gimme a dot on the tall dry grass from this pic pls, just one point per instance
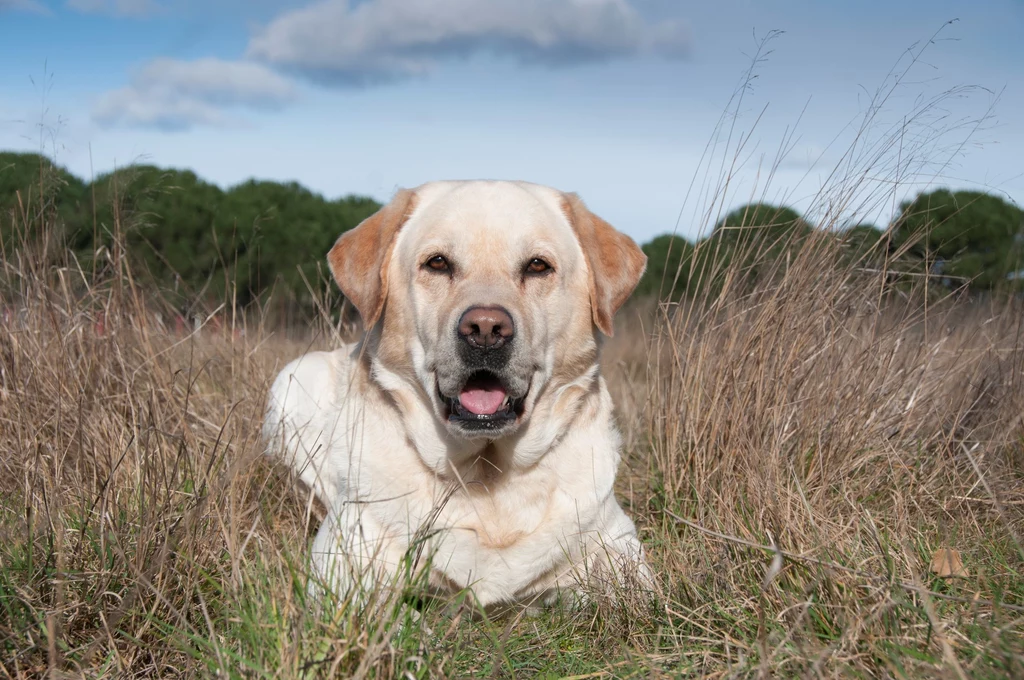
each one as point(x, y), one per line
point(809, 446)
point(801, 438)
point(815, 423)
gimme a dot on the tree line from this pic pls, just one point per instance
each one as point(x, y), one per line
point(966, 240)
point(197, 242)
point(200, 243)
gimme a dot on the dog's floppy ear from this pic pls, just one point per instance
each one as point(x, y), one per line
point(615, 261)
point(359, 258)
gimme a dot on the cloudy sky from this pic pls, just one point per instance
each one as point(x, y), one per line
point(619, 100)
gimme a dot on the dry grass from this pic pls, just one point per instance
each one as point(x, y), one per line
point(809, 447)
point(796, 454)
point(798, 446)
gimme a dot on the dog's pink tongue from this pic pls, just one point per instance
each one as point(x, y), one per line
point(482, 401)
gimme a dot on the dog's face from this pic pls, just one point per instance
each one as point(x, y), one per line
point(485, 295)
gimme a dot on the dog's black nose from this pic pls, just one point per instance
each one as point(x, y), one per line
point(486, 327)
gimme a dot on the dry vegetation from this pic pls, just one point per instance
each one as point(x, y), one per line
point(799, 447)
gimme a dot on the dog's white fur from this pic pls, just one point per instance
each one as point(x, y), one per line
point(514, 516)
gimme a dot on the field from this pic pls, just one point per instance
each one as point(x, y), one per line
point(801, 444)
point(795, 456)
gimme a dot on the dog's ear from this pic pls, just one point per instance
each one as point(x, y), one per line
point(359, 258)
point(615, 261)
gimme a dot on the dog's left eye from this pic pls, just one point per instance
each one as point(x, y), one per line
point(438, 263)
point(537, 266)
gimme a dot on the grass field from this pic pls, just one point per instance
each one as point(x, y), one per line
point(796, 453)
point(798, 448)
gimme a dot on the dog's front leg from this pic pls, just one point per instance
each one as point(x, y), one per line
point(352, 559)
point(616, 564)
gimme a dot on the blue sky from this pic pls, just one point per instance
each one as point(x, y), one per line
point(614, 99)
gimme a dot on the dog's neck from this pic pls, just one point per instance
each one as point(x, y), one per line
point(482, 471)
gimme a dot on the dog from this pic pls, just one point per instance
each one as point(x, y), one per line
point(469, 434)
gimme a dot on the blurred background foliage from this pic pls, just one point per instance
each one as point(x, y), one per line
point(201, 244)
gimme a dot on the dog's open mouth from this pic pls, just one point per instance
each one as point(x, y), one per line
point(483, 402)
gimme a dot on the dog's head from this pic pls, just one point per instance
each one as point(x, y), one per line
point(485, 295)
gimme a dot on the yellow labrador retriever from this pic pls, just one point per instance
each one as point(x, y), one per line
point(469, 432)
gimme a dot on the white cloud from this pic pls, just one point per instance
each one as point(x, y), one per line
point(120, 8)
point(175, 95)
point(23, 5)
point(380, 40)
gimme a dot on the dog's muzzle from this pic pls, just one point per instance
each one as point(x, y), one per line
point(486, 400)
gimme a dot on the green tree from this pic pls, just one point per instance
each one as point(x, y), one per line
point(970, 235)
point(749, 241)
point(279, 234)
point(861, 241)
point(202, 242)
point(187, 237)
point(34, 191)
point(668, 267)
point(761, 226)
point(165, 218)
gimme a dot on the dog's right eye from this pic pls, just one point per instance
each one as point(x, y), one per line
point(437, 263)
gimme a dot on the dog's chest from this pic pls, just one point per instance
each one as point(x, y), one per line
point(506, 541)
point(497, 520)
point(507, 538)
